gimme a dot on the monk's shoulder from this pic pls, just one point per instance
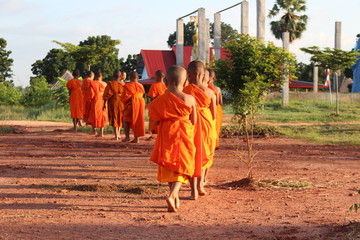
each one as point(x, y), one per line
point(188, 99)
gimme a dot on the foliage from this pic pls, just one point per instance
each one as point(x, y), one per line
point(290, 21)
point(38, 93)
point(96, 53)
point(304, 72)
point(251, 70)
point(9, 94)
point(55, 63)
point(227, 33)
point(60, 93)
point(356, 206)
point(130, 64)
point(5, 62)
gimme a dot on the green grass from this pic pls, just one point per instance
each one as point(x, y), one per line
point(44, 113)
point(308, 112)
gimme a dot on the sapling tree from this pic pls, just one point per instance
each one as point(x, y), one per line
point(250, 71)
point(335, 59)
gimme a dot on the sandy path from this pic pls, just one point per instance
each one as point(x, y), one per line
point(37, 169)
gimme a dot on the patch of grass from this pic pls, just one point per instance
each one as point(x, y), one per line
point(238, 130)
point(143, 189)
point(329, 134)
point(309, 111)
point(6, 129)
point(252, 184)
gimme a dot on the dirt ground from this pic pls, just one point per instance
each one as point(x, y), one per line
point(47, 172)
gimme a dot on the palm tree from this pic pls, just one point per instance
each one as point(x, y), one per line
point(291, 21)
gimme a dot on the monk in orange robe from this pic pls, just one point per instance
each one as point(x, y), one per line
point(174, 149)
point(112, 96)
point(205, 138)
point(76, 99)
point(134, 108)
point(98, 115)
point(156, 90)
point(219, 103)
point(87, 93)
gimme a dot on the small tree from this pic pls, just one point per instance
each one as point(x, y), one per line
point(60, 93)
point(5, 62)
point(9, 94)
point(335, 59)
point(249, 73)
point(38, 93)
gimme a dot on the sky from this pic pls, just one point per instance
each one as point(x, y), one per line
point(30, 26)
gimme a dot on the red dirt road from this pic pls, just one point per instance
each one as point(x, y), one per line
point(39, 165)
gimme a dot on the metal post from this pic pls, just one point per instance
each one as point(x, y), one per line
point(180, 42)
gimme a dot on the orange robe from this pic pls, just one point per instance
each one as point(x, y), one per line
point(87, 97)
point(76, 98)
point(155, 90)
point(205, 132)
point(97, 117)
point(113, 92)
point(174, 149)
point(219, 115)
point(134, 108)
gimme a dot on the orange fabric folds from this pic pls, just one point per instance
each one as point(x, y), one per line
point(98, 115)
point(174, 149)
point(219, 115)
point(205, 136)
point(76, 98)
point(134, 108)
point(155, 90)
point(113, 92)
point(87, 97)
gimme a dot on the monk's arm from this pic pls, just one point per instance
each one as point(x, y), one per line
point(220, 96)
point(193, 115)
point(213, 106)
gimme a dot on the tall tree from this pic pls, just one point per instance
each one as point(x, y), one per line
point(5, 62)
point(96, 53)
point(55, 63)
point(227, 33)
point(290, 20)
point(130, 64)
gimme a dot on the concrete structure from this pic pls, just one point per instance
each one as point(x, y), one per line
point(207, 41)
point(321, 96)
point(315, 78)
point(244, 17)
point(261, 16)
point(285, 85)
point(180, 42)
point(202, 35)
point(217, 35)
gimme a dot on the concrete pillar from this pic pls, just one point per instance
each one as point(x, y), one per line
point(180, 42)
point(207, 41)
point(338, 35)
point(285, 85)
point(217, 35)
point(337, 75)
point(261, 16)
point(315, 78)
point(244, 17)
point(202, 35)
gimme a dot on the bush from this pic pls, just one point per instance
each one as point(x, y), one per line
point(9, 94)
point(38, 94)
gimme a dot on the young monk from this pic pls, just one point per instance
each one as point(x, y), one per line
point(219, 103)
point(204, 128)
point(76, 99)
point(134, 108)
point(156, 90)
point(174, 148)
point(98, 114)
point(87, 93)
point(112, 96)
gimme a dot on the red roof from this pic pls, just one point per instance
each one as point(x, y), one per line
point(157, 60)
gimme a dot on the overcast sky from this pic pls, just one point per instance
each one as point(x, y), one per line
point(29, 26)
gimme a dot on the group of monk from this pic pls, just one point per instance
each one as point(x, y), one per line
point(185, 114)
point(188, 115)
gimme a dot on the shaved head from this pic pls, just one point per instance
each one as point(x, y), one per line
point(175, 75)
point(196, 67)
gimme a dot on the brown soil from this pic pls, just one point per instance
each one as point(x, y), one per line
point(56, 184)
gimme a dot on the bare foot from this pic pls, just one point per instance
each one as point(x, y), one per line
point(194, 196)
point(100, 135)
point(135, 141)
point(126, 140)
point(177, 202)
point(171, 205)
point(150, 138)
point(115, 138)
point(202, 192)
